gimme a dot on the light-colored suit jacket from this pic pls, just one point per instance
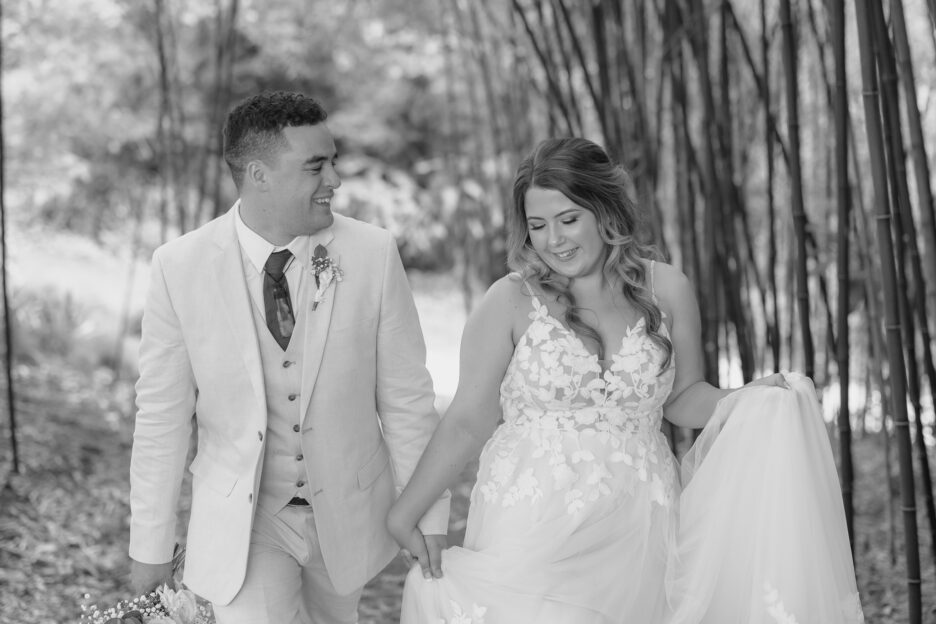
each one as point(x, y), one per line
point(365, 392)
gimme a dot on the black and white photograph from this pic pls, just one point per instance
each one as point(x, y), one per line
point(467, 311)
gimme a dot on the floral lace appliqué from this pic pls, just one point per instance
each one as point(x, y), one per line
point(557, 399)
point(460, 616)
point(775, 607)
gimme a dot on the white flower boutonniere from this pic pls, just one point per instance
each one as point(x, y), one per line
point(325, 270)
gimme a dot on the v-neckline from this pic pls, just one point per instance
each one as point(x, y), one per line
point(543, 310)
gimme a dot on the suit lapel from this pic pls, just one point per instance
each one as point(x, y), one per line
point(232, 291)
point(316, 322)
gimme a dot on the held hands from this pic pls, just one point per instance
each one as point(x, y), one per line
point(426, 550)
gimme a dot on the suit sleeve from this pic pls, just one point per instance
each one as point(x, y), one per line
point(165, 397)
point(404, 388)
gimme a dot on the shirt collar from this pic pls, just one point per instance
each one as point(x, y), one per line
point(258, 249)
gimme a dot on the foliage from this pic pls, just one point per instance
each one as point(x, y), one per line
point(98, 140)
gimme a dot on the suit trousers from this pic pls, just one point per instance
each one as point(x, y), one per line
point(286, 580)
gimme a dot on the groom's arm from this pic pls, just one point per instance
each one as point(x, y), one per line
point(165, 397)
point(404, 388)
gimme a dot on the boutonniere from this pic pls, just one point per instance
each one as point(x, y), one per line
point(325, 270)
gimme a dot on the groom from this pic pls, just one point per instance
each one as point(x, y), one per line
point(288, 336)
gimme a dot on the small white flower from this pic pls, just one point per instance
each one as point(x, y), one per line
point(180, 604)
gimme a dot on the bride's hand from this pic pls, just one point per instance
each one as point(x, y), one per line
point(776, 379)
point(412, 543)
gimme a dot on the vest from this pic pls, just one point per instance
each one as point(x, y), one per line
point(284, 473)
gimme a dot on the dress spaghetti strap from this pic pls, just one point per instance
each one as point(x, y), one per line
point(529, 290)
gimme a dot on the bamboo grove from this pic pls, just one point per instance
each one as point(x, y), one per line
point(800, 205)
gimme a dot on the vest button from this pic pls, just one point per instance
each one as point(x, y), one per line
point(292, 397)
point(296, 428)
point(287, 364)
point(260, 435)
point(250, 498)
point(299, 457)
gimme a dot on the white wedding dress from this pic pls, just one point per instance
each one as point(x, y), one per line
point(575, 517)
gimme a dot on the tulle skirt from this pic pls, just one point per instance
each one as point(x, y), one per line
point(761, 538)
point(583, 542)
point(762, 534)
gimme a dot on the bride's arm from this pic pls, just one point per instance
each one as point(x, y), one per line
point(692, 400)
point(486, 348)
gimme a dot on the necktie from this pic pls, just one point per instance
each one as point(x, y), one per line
point(279, 313)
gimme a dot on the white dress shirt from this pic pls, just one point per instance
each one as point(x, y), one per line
point(254, 253)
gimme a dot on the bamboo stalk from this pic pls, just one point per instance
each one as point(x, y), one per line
point(877, 354)
point(611, 121)
point(682, 143)
point(735, 206)
point(227, 78)
point(710, 288)
point(556, 48)
point(578, 49)
point(773, 333)
point(844, 219)
point(762, 82)
point(552, 86)
point(931, 5)
point(4, 269)
point(498, 135)
point(799, 212)
point(894, 348)
point(907, 251)
point(917, 149)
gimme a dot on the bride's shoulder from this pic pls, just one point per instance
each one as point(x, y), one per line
point(509, 292)
point(506, 304)
point(666, 274)
point(669, 284)
point(500, 311)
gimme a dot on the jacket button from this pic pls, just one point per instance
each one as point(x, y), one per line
point(292, 397)
point(300, 483)
point(296, 428)
point(299, 457)
point(287, 364)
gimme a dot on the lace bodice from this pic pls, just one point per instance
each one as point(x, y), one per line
point(553, 379)
point(570, 426)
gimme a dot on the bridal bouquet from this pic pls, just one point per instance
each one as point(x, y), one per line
point(161, 606)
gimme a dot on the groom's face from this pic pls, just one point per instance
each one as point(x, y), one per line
point(302, 181)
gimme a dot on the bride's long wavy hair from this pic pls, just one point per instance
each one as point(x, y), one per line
point(583, 172)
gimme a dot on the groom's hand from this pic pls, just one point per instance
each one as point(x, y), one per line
point(145, 577)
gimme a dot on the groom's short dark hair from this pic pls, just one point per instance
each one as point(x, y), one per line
point(253, 129)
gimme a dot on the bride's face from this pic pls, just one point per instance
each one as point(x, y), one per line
point(563, 234)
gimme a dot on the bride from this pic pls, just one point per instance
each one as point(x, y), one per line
point(578, 516)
